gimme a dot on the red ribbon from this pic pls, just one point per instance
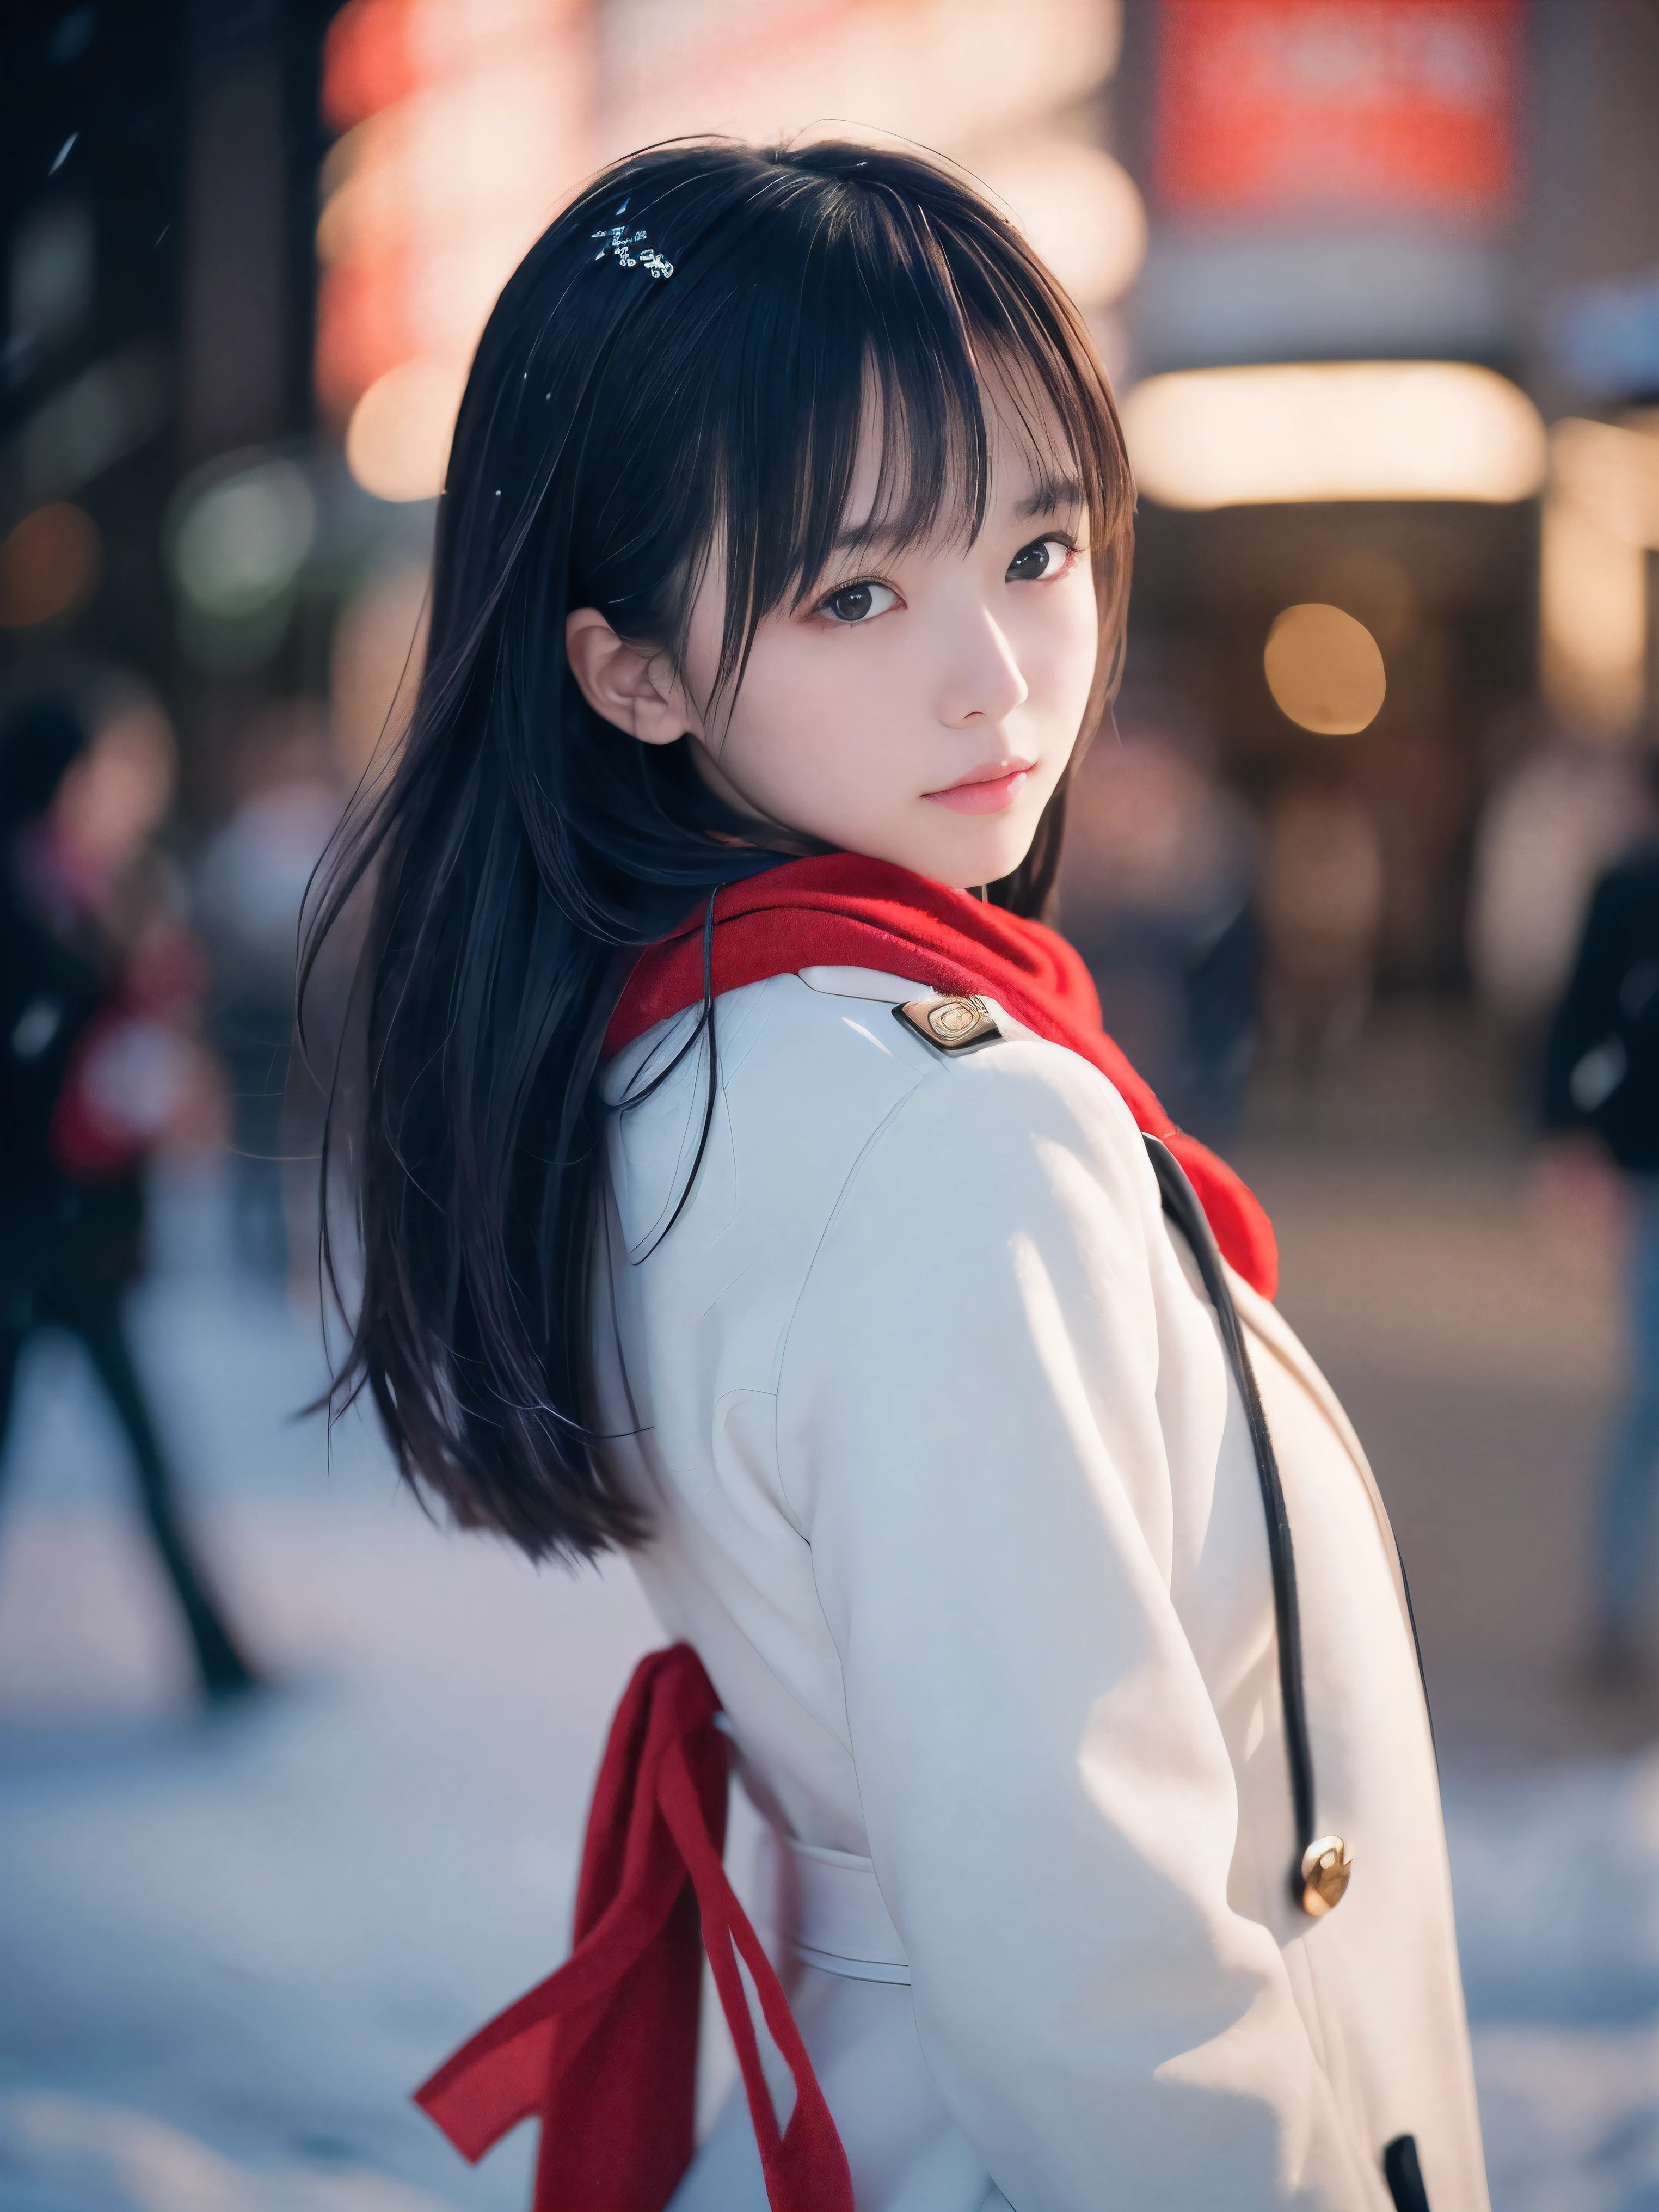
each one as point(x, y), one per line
point(842, 910)
point(604, 2052)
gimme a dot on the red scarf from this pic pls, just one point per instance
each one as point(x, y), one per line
point(604, 2051)
point(842, 911)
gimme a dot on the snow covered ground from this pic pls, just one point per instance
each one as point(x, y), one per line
point(230, 1946)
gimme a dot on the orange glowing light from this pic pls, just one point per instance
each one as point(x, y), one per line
point(362, 330)
point(467, 124)
point(368, 60)
point(1324, 670)
point(1325, 430)
point(397, 441)
point(49, 566)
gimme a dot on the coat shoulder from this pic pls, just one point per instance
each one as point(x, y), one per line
point(960, 1064)
point(814, 1069)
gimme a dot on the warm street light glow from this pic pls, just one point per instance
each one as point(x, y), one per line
point(1422, 429)
point(1600, 524)
point(397, 441)
point(1324, 670)
point(1612, 475)
point(466, 124)
point(1081, 211)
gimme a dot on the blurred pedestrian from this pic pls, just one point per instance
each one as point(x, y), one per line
point(1155, 894)
point(99, 986)
point(1601, 1102)
point(1322, 899)
point(249, 890)
point(1551, 824)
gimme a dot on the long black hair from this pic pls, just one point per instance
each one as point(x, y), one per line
point(622, 426)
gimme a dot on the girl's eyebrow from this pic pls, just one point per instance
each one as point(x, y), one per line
point(1051, 496)
point(870, 536)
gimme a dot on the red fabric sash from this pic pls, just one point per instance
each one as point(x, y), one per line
point(842, 911)
point(604, 2052)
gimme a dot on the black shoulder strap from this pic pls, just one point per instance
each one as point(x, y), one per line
point(1400, 2161)
point(1180, 1204)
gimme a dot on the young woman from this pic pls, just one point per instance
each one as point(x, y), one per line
point(744, 1180)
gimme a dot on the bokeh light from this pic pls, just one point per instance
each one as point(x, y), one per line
point(379, 644)
point(1600, 527)
point(239, 540)
point(1305, 109)
point(1325, 670)
point(397, 441)
point(464, 128)
point(49, 566)
point(96, 420)
point(1408, 429)
point(1081, 211)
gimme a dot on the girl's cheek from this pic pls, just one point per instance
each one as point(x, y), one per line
point(1059, 649)
point(1080, 641)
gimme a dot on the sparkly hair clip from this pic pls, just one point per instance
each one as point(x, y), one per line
point(629, 248)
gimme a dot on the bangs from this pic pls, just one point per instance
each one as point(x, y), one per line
point(901, 325)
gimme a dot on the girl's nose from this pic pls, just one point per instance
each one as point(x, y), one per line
point(982, 680)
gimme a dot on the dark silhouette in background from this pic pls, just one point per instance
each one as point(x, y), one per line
point(1156, 895)
point(96, 1067)
point(1601, 1081)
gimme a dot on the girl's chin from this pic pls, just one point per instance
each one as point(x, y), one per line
point(959, 851)
point(960, 872)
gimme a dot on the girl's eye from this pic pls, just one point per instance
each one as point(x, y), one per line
point(859, 603)
point(1047, 558)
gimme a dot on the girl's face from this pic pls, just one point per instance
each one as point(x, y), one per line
point(919, 708)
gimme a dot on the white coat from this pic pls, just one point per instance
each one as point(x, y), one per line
point(953, 1492)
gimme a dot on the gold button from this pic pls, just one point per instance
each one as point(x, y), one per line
point(1327, 1870)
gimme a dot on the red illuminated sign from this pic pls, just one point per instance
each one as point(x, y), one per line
point(1347, 109)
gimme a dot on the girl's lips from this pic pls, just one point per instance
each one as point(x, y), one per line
point(987, 794)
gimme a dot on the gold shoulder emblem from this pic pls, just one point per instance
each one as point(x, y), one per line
point(950, 1024)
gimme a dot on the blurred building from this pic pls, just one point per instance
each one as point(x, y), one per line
point(464, 124)
point(1391, 354)
point(159, 168)
point(1378, 279)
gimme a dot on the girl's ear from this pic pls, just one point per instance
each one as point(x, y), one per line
point(633, 686)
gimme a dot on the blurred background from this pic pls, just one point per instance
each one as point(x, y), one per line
point(292, 1781)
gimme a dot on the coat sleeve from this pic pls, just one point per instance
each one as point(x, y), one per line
point(970, 1432)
